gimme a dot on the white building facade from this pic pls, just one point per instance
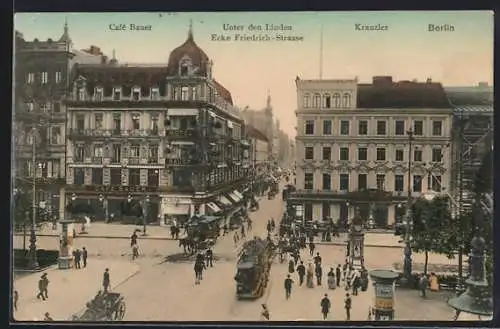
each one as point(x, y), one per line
point(352, 147)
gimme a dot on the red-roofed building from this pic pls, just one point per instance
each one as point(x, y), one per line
point(352, 147)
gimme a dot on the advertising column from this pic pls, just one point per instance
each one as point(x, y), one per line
point(383, 280)
point(65, 244)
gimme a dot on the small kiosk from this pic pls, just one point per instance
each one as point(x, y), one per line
point(384, 284)
point(65, 260)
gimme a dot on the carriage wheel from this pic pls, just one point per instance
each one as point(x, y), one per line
point(120, 311)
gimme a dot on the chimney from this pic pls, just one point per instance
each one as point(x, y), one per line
point(382, 80)
point(482, 84)
point(104, 59)
point(429, 80)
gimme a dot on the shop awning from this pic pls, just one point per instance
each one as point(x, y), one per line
point(234, 197)
point(213, 207)
point(237, 193)
point(225, 201)
point(179, 209)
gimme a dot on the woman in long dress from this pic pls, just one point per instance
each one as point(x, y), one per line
point(310, 276)
point(331, 279)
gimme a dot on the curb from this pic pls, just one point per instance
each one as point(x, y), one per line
point(168, 238)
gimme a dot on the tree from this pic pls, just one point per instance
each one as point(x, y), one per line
point(431, 223)
point(22, 204)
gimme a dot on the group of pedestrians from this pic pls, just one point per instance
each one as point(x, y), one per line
point(79, 257)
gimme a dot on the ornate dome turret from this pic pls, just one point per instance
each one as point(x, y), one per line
point(188, 58)
point(65, 37)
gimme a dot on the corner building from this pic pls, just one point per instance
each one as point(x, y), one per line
point(166, 135)
point(352, 147)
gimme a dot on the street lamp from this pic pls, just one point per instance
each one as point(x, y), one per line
point(145, 214)
point(33, 260)
point(407, 277)
point(104, 202)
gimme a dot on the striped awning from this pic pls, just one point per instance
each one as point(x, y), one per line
point(225, 201)
point(237, 193)
point(234, 197)
point(213, 207)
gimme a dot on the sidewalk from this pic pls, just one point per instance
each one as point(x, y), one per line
point(122, 231)
point(69, 290)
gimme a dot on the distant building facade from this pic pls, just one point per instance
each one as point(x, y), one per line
point(259, 150)
point(352, 146)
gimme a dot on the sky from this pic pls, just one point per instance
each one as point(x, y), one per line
point(406, 49)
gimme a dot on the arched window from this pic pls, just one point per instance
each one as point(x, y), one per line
point(327, 101)
point(336, 100)
point(317, 101)
point(346, 100)
point(307, 100)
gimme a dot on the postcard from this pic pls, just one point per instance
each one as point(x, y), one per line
point(252, 166)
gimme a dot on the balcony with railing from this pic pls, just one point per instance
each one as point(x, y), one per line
point(181, 133)
point(181, 162)
point(75, 133)
point(359, 195)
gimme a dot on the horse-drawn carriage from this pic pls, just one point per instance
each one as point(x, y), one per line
point(201, 233)
point(106, 306)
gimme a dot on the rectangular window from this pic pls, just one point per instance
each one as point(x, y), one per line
point(400, 127)
point(344, 154)
point(153, 177)
point(98, 120)
point(44, 77)
point(327, 182)
point(436, 183)
point(117, 123)
point(134, 177)
point(309, 153)
point(363, 128)
point(57, 107)
point(381, 182)
point(115, 176)
point(309, 129)
point(362, 181)
point(327, 153)
point(399, 155)
point(81, 94)
point(136, 122)
point(58, 77)
point(328, 102)
point(79, 153)
point(417, 183)
point(79, 176)
point(194, 93)
point(380, 154)
point(97, 176)
point(135, 150)
point(117, 153)
point(98, 151)
point(437, 128)
point(418, 127)
point(55, 136)
point(117, 94)
point(327, 127)
point(344, 127)
point(184, 93)
point(30, 106)
point(417, 155)
point(306, 101)
point(98, 94)
point(398, 183)
point(344, 182)
point(154, 124)
point(136, 94)
point(155, 94)
point(362, 154)
point(326, 210)
point(308, 181)
point(381, 128)
point(153, 153)
point(437, 155)
point(30, 78)
point(43, 107)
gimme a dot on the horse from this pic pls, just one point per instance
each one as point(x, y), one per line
point(187, 244)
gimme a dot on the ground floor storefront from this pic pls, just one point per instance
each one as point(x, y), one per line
point(384, 210)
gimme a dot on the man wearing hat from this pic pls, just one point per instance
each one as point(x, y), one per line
point(42, 287)
point(47, 317)
point(106, 280)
